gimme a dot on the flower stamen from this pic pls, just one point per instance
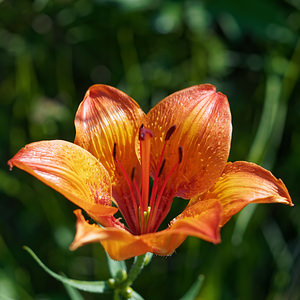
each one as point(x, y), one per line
point(148, 213)
point(170, 132)
point(127, 215)
point(180, 154)
point(132, 174)
point(156, 220)
point(160, 166)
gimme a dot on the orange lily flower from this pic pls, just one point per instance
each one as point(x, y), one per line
point(182, 144)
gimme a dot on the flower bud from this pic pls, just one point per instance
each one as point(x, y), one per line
point(121, 276)
point(111, 283)
point(127, 292)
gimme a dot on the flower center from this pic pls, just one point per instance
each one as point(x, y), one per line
point(149, 212)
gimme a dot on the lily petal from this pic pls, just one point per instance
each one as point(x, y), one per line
point(118, 243)
point(201, 220)
point(70, 170)
point(203, 131)
point(242, 183)
point(107, 116)
point(107, 122)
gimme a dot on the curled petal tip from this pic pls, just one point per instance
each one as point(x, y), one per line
point(217, 239)
point(85, 232)
point(243, 183)
point(10, 164)
point(286, 197)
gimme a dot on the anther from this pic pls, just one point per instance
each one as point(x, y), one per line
point(115, 151)
point(132, 173)
point(162, 167)
point(147, 214)
point(180, 154)
point(170, 132)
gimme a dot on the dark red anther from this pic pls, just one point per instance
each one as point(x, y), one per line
point(132, 173)
point(180, 154)
point(162, 167)
point(170, 132)
point(115, 151)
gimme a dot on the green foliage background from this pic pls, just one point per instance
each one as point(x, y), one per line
point(52, 51)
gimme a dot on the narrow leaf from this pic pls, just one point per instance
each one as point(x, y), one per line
point(148, 258)
point(72, 292)
point(194, 290)
point(115, 266)
point(88, 286)
point(136, 296)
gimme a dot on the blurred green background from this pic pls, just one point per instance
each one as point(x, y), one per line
point(52, 51)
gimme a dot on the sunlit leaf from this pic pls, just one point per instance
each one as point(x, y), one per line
point(148, 258)
point(136, 296)
point(72, 292)
point(194, 289)
point(88, 286)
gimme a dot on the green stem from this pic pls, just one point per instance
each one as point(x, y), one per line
point(135, 270)
point(116, 295)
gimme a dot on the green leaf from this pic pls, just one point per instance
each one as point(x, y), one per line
point(136, 296)
point(194, 290)
point(72, 292)
point(148, 258)
point(88, 286)
point(115, 266)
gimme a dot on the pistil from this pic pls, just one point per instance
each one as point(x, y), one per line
point(145, 136)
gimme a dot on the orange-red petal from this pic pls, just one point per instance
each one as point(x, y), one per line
point(242, 183)
point(201, 220)
point(203, 130)
point(70, 170)
point(107, 122)
point(107, 116)
point(118, 243)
